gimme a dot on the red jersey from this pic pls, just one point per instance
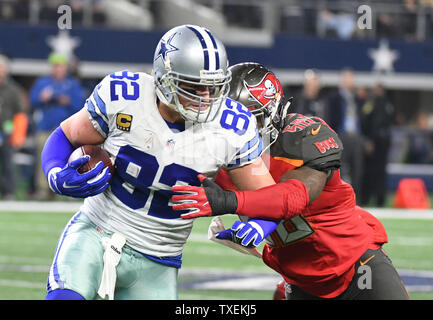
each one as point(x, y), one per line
point(317, 250)
point(332, 234)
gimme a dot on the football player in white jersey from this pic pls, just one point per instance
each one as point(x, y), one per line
point(162, 130)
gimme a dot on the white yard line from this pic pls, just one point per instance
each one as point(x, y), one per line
point(191, 296)
point(412, 241)
point(42, 206)
point(24, 268)
point(73, 206)
point(21, 284)
point(401, 213)
point(216, 279)
point(24, 259)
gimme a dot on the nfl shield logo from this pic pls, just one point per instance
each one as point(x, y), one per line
point(171, 143)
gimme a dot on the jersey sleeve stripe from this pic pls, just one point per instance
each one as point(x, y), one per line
point(250, 144)
point(97, 109)
point(255, 153)
point(248, 157)
point(101, 125)
point(99, 102)
point(249, 147)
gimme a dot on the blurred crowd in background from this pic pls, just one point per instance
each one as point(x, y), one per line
point(366, 119)
point(371, 130)
point(28, 116)
point(409, 19)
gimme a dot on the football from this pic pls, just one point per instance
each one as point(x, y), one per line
point(96, 154)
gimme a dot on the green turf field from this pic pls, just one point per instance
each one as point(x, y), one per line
point(28, 240)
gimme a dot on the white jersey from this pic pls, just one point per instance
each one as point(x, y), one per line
point(150, 158)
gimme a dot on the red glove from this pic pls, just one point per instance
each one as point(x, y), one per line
point(280, 201)
point(205, 201)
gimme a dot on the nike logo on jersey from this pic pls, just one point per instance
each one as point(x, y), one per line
point(364, 262)
point(316, 131)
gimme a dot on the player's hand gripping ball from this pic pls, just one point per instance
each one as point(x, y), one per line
point(96, 154)
point(87, 173)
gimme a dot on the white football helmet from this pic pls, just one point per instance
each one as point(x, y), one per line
point(188, 59)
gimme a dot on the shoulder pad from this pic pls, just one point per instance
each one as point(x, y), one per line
point(108, 98)
point(309, 141)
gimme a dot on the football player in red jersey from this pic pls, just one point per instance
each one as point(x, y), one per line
point(317, 238)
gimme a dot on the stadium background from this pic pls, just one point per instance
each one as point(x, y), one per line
point(288, 36)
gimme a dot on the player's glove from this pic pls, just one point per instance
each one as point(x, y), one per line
point(69, 182)
point(205, 201)
point(249, 234)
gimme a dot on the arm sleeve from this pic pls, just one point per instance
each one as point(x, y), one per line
point(56, 151)
point(280, 201)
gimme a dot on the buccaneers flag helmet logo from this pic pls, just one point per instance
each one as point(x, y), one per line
point(267, 90)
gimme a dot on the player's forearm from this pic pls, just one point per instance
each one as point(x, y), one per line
point(313, 180)
point(280, 201)
point(56, 151)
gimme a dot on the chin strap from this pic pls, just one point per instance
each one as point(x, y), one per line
point(282, 113)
